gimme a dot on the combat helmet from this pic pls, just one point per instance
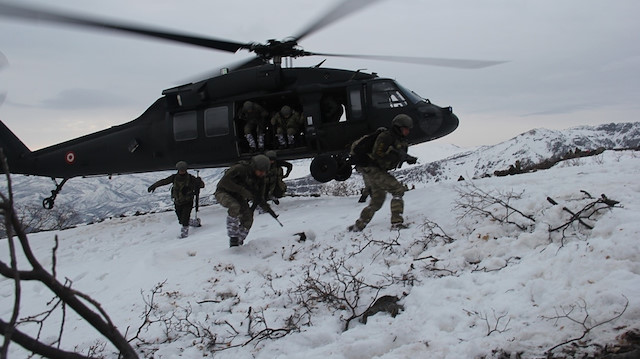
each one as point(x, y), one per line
point(247, 106)
point(261, 163)
point(182, 166)
point(272, 155)
point(285, 111)
point(402, 120)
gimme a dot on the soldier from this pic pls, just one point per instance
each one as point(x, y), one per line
point(183, 190)
point(331, 109)
point(253, 117)
point(275, 186)
point(287, 121)
point(389, 151)
point(242, 183)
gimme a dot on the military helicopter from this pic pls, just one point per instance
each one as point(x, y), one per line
point(198, 122)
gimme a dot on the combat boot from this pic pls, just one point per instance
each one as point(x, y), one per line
point(234, 242)
point(184, 232)
point(399, 226)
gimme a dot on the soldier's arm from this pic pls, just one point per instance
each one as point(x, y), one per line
point(197, 182)
point(288, 166)
point(381, 146)
point(229, 183)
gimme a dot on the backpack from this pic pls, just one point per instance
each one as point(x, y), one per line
point(363, 146)
point(181, 192)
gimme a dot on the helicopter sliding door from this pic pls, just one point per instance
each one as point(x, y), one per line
point(204, 135)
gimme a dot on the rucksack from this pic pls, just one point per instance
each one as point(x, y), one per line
point(363, 146)
point(182, 192)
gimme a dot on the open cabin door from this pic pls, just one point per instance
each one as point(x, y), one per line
point(342, 118)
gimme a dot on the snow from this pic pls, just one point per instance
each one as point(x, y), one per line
point(470, 286)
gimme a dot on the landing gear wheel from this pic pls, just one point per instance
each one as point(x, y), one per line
point(323, 168)
point(47, 203)
point(343, 172)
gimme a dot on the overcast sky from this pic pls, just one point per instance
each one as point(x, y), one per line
point(570, 62)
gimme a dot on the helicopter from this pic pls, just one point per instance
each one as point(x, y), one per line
point(199, 122)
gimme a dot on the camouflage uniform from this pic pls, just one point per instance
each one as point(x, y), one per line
point(236, 188)
point(183, 202)
point(287, 121)
point(253, 117)
point(388, 153)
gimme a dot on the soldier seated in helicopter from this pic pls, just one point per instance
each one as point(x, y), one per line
point(289, 122)
point(253, 118)
point(331, 108)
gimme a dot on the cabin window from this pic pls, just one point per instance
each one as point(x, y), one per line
point(185, 126)
point(387, 95)
point(356, 103)
point(216, 121)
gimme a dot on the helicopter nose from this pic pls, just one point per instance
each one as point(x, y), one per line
point(437, 121)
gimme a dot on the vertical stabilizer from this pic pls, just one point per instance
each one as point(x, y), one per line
point(14, 150)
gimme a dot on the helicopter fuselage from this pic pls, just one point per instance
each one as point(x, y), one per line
point(198, 123)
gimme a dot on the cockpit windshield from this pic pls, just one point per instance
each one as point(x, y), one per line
point(385, 94)
point(412, 96)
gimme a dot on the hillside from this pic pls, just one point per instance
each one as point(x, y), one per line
point(490, 268)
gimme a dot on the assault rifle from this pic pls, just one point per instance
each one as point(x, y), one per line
point(404, 157)
point(265, 206)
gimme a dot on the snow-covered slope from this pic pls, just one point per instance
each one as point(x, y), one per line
point(476, 279)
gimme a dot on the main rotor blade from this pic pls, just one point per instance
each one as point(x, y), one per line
point(346, 7)
point(432, 61)
point(18, 11)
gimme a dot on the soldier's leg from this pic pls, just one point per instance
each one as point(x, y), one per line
point(280, 136)
point(378, 195)
point(246, 221)
point(183, 211)
point(248, 134)
point(233, 231)
point(291, 136)
point(260, 136)
point(396, 189)
point(234, 214)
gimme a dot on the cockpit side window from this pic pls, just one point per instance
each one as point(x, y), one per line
point(387, 95)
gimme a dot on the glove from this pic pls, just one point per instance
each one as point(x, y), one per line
point(411, 160)
point(151, 189)
point(247, 195)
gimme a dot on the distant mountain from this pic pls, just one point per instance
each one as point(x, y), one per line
point(85, 200)
point(529, 148)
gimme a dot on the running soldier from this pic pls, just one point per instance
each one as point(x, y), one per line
point(389, 151)
point(183, 190)
point(242, 183)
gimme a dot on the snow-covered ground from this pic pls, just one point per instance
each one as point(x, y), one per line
point(471, 286)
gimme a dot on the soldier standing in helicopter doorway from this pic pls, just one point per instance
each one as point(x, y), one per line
point(253, 117)
point(389, 151)
point(242, 183)
point(183, 190)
